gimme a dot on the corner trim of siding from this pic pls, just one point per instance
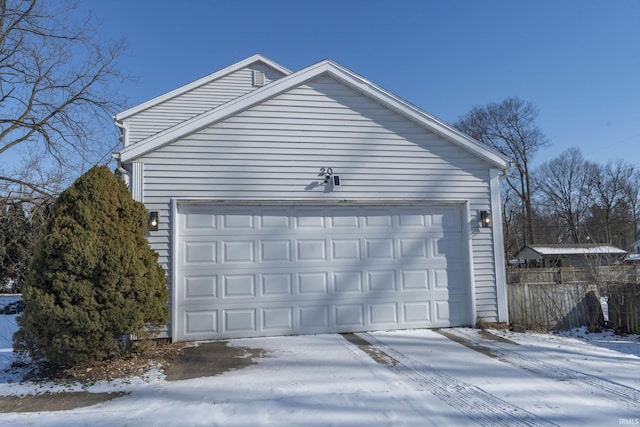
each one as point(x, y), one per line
point(498, 246)
point(468, 237)
point(173, 212)
point(137, 181)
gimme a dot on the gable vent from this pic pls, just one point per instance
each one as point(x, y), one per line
point(258, 78)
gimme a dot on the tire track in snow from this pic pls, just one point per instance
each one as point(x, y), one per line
point(480, 406)
point(618, 394)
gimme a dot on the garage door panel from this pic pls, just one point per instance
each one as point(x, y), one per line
point(276, 220)
point(200, 252)
point(381, 281)
point(412, 248)
point(277, 319)
point(345, 249)
point(412, 280)
point(260, 270)
point(309, 220)
point(276, 285)
point(416, 313)
point(315, 283)
point(242, 251)
point(322, 316)
point(441, 311)
point(440, 278)
point(311, 250)
point(445, 218)
point(198, 287)
point(201, 323)
point(198, 219)
point(240, 321)
point(348, 282)
point(239, 286)
point(349, 316)
point(345, 223)
point(378, 220)
point(412, 219)
point(378, 249)
point(383, 314)
point(275, 251)
point(314, 318)
point(446, 247)
point(237, 220)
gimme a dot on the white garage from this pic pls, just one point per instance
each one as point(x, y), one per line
point(273, 270)
point(313, 201)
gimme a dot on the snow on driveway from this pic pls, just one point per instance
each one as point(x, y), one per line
point(557, 393)
point(425, 378)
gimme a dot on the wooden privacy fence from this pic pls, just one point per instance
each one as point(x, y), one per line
point(570, 297)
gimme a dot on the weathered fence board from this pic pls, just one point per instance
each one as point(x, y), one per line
point(569, 297)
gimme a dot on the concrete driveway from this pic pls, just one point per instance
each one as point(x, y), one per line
point(421, 377)
point(472, 376)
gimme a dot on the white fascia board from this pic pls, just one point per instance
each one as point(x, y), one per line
point(204, 80)
point(344, 75)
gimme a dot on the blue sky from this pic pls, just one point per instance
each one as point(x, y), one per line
point(577, 61)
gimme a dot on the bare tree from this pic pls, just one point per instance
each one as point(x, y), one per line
point(56, 97)
point(564, 187)
point(512, 219)
point(510, 127)
point(632, 191)
point(611, 214)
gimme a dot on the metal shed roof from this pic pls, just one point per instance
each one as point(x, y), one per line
point(575, 249)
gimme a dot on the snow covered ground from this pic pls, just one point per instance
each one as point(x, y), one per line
point(425, 378)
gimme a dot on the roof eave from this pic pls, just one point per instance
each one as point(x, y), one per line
point(407, 109)
point(215, 115)
point(345, 75)
point(197, 83)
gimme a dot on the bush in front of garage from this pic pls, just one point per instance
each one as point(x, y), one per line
point(94, 280)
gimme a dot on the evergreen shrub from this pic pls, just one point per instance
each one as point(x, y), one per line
point(94, 280)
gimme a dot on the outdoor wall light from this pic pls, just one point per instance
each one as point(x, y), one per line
point(485, 219)
point(153, 221)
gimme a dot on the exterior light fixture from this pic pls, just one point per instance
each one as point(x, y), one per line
point(485, 219)
point(152, 222)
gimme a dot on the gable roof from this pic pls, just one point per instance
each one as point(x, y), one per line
point(200, 82)
point(574, 249)
point(338, 72)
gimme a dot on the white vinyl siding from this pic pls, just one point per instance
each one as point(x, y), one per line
point(190, 104)
point(274, 151)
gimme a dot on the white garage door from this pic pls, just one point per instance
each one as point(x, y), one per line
point(266, 270)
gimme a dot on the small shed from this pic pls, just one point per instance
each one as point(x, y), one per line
point(570, 255)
